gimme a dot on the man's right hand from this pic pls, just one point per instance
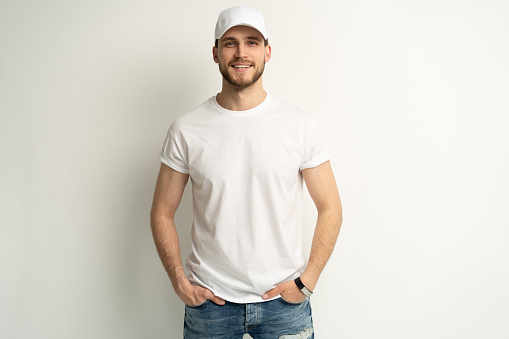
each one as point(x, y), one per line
point(168, 193)
point(195, 295)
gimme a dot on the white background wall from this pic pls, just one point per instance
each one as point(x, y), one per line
point(412, 96)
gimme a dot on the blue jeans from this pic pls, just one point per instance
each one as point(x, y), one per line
point(275, 319)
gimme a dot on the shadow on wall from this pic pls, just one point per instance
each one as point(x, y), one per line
point(153, 310)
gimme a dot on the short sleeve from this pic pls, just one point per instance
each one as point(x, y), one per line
point(315, 151)
point(174, 152)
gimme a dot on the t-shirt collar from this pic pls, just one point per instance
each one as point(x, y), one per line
point(251, 111)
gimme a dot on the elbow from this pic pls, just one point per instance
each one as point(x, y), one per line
point(158, 217)
point(333, 208)
point(340, 213)
point(338, 216)
point(334, 212)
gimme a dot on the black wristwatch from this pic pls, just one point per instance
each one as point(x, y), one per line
point(303, 288)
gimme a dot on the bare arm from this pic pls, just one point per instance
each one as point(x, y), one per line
point(167, 196)
point(324, 192)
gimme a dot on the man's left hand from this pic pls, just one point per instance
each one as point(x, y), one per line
point(288, 291)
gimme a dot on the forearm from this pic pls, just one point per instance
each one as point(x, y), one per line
point(326, 233)
point(168, 247)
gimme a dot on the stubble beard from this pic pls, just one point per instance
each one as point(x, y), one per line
point(242, 83)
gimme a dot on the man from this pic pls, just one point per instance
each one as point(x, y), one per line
point(246, 154)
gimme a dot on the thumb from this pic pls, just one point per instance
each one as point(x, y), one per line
point(273, 292)
point(209, 295)
point(218, 300)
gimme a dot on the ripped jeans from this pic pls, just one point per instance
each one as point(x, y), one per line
point(275, 319)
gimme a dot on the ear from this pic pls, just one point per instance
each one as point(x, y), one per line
point(268, 53)
point(214, 54)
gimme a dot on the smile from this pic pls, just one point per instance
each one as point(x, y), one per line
point(241, 66)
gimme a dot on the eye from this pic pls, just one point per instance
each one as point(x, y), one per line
point(229, 43)
point(253, 43)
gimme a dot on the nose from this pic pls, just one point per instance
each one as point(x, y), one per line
point(241, 51)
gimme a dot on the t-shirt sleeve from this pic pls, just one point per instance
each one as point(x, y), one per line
point(174, 152)
point(315, 150)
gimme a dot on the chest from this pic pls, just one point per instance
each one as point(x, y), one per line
point(238, 152)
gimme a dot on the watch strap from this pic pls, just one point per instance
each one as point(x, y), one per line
point(303, 288)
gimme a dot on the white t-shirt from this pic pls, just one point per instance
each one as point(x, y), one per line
point(247, 193)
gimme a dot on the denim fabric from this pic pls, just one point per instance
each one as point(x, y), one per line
point(275, 319)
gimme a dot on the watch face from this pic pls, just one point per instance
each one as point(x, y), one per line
point(303, 288)
point(306, 292)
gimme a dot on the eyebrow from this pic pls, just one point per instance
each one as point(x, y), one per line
point(254, 37)
point(251, 37)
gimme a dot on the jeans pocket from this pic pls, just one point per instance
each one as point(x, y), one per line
point(196, 306)
point(293, 303)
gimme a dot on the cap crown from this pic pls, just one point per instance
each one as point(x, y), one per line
point(240, 16)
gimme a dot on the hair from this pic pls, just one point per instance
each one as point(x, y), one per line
point(266, 42)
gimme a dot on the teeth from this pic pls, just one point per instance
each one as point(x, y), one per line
point(241, 66)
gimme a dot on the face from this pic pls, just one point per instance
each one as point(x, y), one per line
point(241, 55)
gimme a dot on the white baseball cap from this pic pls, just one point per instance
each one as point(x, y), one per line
point(240, 16)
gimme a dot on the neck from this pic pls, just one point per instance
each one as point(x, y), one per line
point(234, 99)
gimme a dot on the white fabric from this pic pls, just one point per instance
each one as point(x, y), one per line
point(239, 16)
point(247, 193)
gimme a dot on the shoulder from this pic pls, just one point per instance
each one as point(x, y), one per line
point(190, 118)
point(294, 112)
